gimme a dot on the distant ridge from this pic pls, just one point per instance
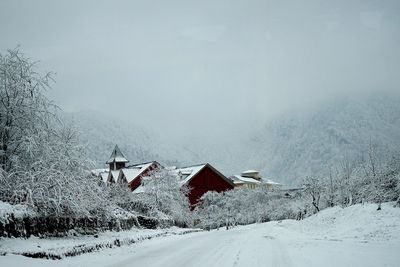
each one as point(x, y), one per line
point(310, 143)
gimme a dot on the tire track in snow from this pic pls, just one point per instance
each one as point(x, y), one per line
point(238, 247)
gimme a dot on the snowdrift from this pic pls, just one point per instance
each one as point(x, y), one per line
point(361, 221)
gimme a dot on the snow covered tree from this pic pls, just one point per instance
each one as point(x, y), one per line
point(398, 189)
point(162, 193)
point(390, 180)
point(24, 109)
point(53, 176)
point(347, 169)
point(248, 206)
point(373, 178)
point(41, 160)
point(210, 210)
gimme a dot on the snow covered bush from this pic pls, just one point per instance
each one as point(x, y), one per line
point(17, 211)
point(162, 195)
point(246, 206)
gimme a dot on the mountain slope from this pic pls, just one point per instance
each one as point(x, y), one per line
point(296, 145)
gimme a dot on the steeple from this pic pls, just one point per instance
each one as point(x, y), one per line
point(117, 159)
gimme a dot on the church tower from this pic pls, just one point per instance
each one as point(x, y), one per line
point(117, 159)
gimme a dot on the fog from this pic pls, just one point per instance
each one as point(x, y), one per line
point(206, 69)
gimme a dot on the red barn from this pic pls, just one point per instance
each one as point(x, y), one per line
point(203, 178)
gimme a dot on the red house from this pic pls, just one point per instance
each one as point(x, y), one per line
point(201, 179)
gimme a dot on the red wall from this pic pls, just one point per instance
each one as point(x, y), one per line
point(135, 183)
point(206, 180)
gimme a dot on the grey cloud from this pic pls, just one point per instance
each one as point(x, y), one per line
point(190, 65)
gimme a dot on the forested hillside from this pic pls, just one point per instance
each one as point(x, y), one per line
point(315, 142)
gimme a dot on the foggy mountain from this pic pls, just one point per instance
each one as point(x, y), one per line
point(100, 132)
point(299, 144)
point(287, 149)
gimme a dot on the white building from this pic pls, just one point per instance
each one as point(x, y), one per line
point(251, 179)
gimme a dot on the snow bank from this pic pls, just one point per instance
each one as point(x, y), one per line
point(355, 222)
point(58, 248)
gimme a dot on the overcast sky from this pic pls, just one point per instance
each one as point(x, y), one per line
point(193, 65)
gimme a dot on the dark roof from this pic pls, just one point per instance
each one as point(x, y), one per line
point(117, 156)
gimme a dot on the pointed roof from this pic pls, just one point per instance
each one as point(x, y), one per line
point(113, 176)
point(117, 156)
point(187, 173)
point(133, 172)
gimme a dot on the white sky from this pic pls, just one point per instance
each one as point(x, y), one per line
point(187, 66)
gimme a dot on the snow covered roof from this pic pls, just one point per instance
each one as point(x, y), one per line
point(236, 180)
point(251, 174)
point(250, 171)
point(240, 179)
point(130, 174)
point(104, 176)
point(113, 176)
point(117, 156)
point(188, 173)
point(271, 182)
point(135, 171)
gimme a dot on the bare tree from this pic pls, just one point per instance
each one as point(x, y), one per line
point(314, 188)
point(163, 194)
point(347, 168)
point(331, 190)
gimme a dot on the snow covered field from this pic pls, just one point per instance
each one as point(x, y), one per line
point(355, 236)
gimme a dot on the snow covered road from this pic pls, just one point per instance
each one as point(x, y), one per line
point(355, 236)
point(236, 247)
point(270, 244)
